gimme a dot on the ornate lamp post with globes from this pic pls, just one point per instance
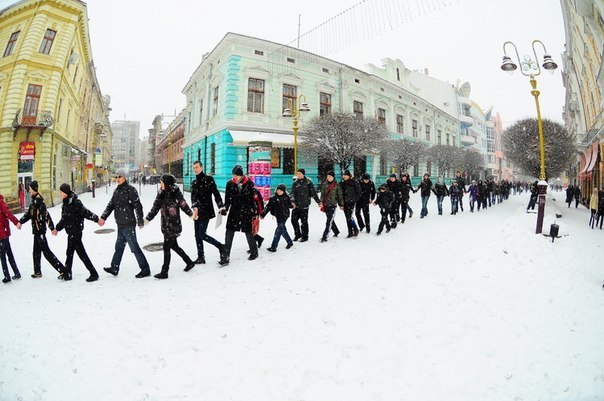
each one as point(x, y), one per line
point(530, 68)
point(292, 110)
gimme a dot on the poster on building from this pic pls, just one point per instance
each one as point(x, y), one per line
point(27, 150)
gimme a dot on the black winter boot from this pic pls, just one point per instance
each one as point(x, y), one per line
point(162, 274)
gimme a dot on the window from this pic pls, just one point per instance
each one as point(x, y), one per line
point(12, 41)
point(255, 95)
point(213, 158)
point(400, 126)
point(216, 100)
point(381, 116)
point(383, 165)
point(75, 74)
point(59, 111)
point(439, 134)
point(398, 75)
point(32, 101)
point(357, 108)
point(358, 81)
point(448, 139)
point(259, 52)
point(429, 167)
point(324, 103)
point(46, 44)
point(414, 128)
point(416, 169)
point(453, 142)
point(290, 93)
point(325, 70)
point(200, 111)
point(290, 60)
point(288, 161)
point(427, 132)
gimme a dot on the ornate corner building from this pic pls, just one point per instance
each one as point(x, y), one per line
point(54, 120)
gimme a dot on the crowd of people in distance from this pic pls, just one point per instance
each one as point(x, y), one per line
point(244, 207)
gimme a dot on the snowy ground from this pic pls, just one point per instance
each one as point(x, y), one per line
point(467, 307)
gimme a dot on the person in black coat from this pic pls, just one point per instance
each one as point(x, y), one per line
point(73, 213)
point(440, 190)
point(425, 187)
point(534, 196)
point(455, 193)
point(362, 206)
point(394, 186)
point(278, 205)
point(570, 194)
point(203, 188)
point(40, 217)
point(351, 191)
point(384, 200)
point(405, 190)
point(577, 196)
point(461, 183)
point(301, 193)
point(241, 209)
point(125, 202)
point(170, 201)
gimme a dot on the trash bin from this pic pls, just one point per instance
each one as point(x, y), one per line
point(553, 231)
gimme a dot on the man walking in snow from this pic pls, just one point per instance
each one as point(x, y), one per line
point(125, 202)
point(40, 217)
point(301, 194)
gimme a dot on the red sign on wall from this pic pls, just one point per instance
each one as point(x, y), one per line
point(27, 150)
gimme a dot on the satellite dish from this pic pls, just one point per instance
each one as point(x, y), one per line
point(465, 89)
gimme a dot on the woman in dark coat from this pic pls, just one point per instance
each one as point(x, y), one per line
point(241, 208)
point(170, 201)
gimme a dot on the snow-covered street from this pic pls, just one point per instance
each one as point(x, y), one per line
point(456, 308)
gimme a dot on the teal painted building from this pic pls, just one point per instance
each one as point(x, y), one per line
point(236, 97)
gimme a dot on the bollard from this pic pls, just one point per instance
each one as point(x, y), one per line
point(553, 231)
point(93, 187)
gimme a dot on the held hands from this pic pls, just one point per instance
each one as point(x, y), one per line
point(222, 211)
point(101, 222)
point(18, 226)
point(54, 232)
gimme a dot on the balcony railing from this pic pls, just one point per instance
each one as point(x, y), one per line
point(41, 121)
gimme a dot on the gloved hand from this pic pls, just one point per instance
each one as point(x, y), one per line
point(145, 222)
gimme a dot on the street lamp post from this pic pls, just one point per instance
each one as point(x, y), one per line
point(530, 68)
point(292, 110)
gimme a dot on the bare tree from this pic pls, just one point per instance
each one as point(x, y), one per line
point(404, 153)
point(445, 157)
point(470, 162)
point(521, 146)
point(341, 137)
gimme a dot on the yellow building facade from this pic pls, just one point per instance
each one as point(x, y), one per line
point(54, 125)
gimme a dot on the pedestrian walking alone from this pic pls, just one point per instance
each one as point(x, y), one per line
point(170, 201)
point(125, 202)
point(73, 213)
point(40, 218)
point(203, 188)
point(5, 250)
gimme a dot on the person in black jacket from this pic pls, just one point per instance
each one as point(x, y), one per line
point(455, 193)
point(394, 186)
point(362, 206)
point(73, 213)
point(461, 183)
point(405, 188)
point(440, 190)
point(425, 187)
point(278, 205)
point(241, 208)
point(170, 201)
point(577, 195)
point(40, 217)
point(301, 193)
point(125, 202)
point(384, 200)
point(203, 188)
point(351, 191)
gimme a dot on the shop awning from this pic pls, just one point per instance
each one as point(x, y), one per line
point(244, 138)
point(591, 156)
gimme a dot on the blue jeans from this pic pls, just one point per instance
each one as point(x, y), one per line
point(439, 203)
point(128, 235)
point(454, 204)
point(201, 226)
point(281, 231)
point(425, 205)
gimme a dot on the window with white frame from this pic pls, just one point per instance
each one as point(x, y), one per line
point(255, 95)
point(400, 126)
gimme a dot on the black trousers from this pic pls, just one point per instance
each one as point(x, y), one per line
point(300, 216)
point(404, 207)
point(228, 242)
point(364, 219)
point(74, 244)
point(41, 247)
point(330, 224)
point(384, 222)
point(352, 226)
point(169, 245)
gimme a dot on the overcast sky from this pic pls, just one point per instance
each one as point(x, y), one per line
point(145, 52)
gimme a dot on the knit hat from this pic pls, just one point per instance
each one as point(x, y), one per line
point(301, 170)
point(282, 187)
point(366, 176)
point(122, 172)
point(392, 175)
point(347, 172)
point(168, 179)
point(383, 186)
point(331, 173)
point(34, 185)
point(238, 170)
point(65, 188)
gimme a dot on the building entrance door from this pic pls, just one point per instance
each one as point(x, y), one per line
point(25, 175)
